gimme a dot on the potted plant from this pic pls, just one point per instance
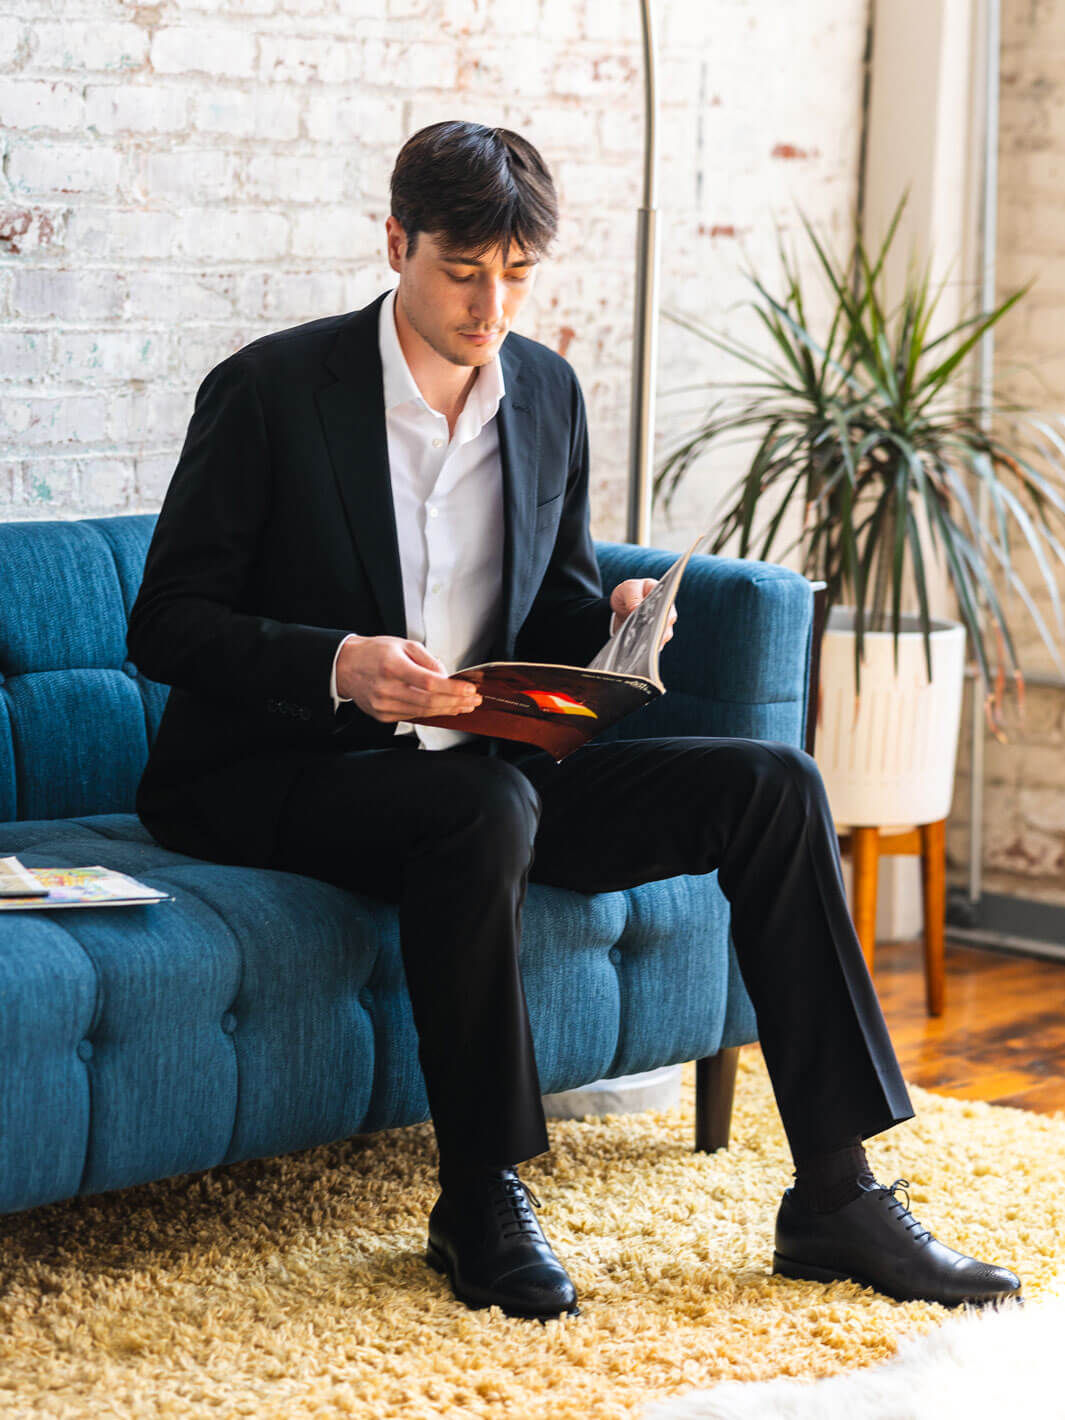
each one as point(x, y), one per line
point(868, 431)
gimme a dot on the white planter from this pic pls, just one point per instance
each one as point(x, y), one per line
point(893, 764)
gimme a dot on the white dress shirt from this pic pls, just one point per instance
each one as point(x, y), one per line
point(447, 492)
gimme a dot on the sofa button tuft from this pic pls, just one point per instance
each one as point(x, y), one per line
point(615, 955)
point(365, 998)
point(229, 1022)
point(130, 669)
point(1, 677)
point(84, 1049)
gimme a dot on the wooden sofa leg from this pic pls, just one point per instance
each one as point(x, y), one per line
point(715, 1086)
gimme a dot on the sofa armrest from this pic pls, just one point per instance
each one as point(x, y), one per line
point(739, 660)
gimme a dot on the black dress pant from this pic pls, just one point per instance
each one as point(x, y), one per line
point(453, 836)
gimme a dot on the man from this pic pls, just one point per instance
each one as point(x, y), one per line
point(369, 501)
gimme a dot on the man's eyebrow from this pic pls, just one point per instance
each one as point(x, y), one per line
point(458, 260)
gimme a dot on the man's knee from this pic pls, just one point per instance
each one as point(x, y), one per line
point(496, 811)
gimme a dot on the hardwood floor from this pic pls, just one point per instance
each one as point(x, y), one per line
point(1001, 1037)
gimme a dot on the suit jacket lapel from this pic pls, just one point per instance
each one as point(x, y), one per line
point(519, 437)
point(353, 416)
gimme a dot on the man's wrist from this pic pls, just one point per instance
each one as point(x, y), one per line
point(337, 699)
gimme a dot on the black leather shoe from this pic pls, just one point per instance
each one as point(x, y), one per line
point(485, 1237)
point(877, 1242)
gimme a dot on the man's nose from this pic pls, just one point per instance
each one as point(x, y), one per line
point(487, 306)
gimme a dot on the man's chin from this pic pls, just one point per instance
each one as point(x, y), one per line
point(473, 352)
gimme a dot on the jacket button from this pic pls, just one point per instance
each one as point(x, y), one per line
point(130, 669)
point(305, 714)
point(271, 705)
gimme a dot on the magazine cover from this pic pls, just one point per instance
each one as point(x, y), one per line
point(81, 887)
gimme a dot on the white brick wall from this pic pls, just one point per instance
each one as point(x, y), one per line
point(177, 179)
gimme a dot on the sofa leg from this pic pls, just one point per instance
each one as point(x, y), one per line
point(715, 1085)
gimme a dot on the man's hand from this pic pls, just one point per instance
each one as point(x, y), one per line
point(627, 596)
point(391, 679)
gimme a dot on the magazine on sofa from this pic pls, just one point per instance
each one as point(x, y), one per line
point(23, 889)
point(560, 708)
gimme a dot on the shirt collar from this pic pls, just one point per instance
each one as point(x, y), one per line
point(399, 383)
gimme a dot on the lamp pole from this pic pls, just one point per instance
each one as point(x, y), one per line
point(645, 316)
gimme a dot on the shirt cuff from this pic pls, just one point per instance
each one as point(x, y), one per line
point(339, 700)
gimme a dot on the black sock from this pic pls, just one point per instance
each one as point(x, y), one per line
point(463, 1174)
point(825, 1182)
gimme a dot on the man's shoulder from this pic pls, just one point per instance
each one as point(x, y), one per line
point(301, 350)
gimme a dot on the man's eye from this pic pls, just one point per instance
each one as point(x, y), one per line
point(519, 277)
point(460, 279)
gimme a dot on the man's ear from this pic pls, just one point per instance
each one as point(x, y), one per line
point(397, 243)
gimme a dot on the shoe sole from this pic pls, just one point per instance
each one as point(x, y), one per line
point(808, 1272)
point(439, 1262)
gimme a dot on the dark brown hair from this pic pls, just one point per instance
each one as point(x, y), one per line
point(475, 188)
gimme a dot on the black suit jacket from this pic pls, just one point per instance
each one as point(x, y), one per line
point(277, 538)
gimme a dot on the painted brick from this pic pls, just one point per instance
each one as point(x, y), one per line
point(324, 59)
point(41, 420)
point(14, 41)
point(260, 114)
point(140, 235)
point(67, 295)
point(411, 66)
point(139, 108)
point(209, 234)
point(336, 232)
point(106, 485)
point(24, 356)
point(204, 49)
point(48, 486)
point(183, 175)
point(24, 229)
point(598, 76)
point(36, 168)
point(93, 46)
point(171, 297)
point(302, 178)
point(225, 8)
point(28, 104)
point(107, 357)
point(360, 118)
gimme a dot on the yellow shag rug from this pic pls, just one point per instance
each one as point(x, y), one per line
point(298, 1287)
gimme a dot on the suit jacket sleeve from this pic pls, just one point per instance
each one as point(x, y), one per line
point(193, 624)
point(569, 620)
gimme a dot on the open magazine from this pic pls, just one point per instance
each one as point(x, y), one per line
point(560, 708)
point(22, 889)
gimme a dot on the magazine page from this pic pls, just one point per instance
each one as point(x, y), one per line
point(634, 650)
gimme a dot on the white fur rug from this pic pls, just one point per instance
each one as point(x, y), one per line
point(1006, 1364)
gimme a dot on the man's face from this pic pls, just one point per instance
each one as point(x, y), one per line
point(461, 303)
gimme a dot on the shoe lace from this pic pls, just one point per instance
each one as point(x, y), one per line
point(897, 1205)
point(511, 1197)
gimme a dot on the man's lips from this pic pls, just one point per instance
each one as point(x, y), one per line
point(480, 337)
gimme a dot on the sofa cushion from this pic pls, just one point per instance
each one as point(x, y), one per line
point(261, 1012)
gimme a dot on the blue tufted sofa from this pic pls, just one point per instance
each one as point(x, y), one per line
point(261, 1012)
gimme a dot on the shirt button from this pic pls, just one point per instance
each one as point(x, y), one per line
point(433, 512)
point(438, 443)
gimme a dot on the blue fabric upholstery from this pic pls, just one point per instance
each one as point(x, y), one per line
point(261, 1011)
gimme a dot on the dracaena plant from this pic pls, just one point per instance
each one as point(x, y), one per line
point(867, 423)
